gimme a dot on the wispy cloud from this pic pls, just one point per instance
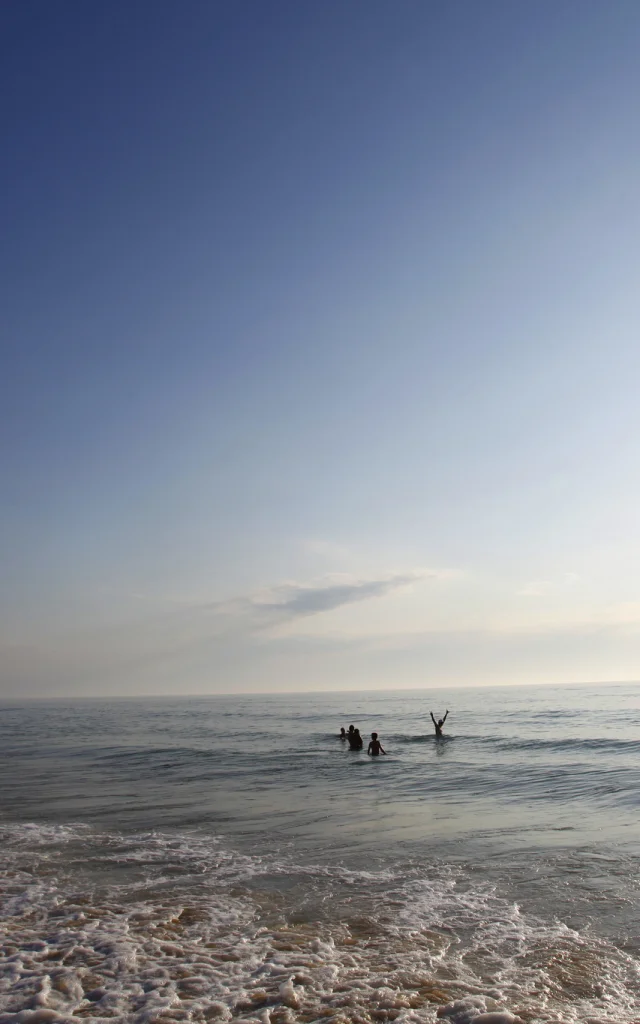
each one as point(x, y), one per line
point(293, 600)
point(289, 602)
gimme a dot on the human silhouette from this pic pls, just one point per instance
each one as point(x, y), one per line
point(438, 725)
point(343, 734)
point(375, 747)
point(355, 740)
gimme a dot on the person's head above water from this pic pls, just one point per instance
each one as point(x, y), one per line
point(441, 721)
point(374, 735)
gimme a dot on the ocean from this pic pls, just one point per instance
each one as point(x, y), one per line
point(226, 858)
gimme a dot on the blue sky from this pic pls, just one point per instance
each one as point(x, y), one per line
point(319, 330)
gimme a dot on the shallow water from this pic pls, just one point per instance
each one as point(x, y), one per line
point(197, 859)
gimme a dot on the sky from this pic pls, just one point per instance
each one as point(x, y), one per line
point(319, 345)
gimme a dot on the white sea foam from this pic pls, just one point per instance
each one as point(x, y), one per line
point(197, 933)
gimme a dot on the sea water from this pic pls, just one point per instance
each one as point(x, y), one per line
point(218, 859)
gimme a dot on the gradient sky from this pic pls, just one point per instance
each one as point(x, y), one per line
point(320, 344)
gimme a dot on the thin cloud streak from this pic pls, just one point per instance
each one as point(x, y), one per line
point(292, 601)
point(289, 602)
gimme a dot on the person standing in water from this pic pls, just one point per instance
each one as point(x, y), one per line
point(375, 747)
point(355, 739)
point(438, 725)
point(343, 734)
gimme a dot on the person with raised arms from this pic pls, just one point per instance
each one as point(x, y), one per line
point(438, 725)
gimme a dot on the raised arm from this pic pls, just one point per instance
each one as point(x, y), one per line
point(445, 716)
point(432, 718)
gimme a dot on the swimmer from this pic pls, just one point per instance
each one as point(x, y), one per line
point(355, 740)
point(343, 734)
point(438, 725)
point(375, 747)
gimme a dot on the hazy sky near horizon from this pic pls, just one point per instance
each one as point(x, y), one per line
point(320, 344)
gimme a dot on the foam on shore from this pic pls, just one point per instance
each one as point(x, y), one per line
point(179, 927)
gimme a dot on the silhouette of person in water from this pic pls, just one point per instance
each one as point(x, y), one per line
point(438, 725)
point(375, 747)
point(355, 740)
point(343, 734)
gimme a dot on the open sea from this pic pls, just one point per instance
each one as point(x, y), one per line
point(226, 858)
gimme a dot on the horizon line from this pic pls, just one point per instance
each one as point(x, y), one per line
point(296, 693)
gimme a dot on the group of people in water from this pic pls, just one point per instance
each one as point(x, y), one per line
point(354, 739)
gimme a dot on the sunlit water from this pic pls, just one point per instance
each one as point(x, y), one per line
point(226, 858)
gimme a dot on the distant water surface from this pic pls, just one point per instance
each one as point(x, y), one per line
point(202, 859)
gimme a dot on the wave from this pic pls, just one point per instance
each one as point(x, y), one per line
point(182, 925)
point(507, 743)
point(402, 738)
point(568, 743)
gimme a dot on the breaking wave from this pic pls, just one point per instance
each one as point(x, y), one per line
point(155, 926)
